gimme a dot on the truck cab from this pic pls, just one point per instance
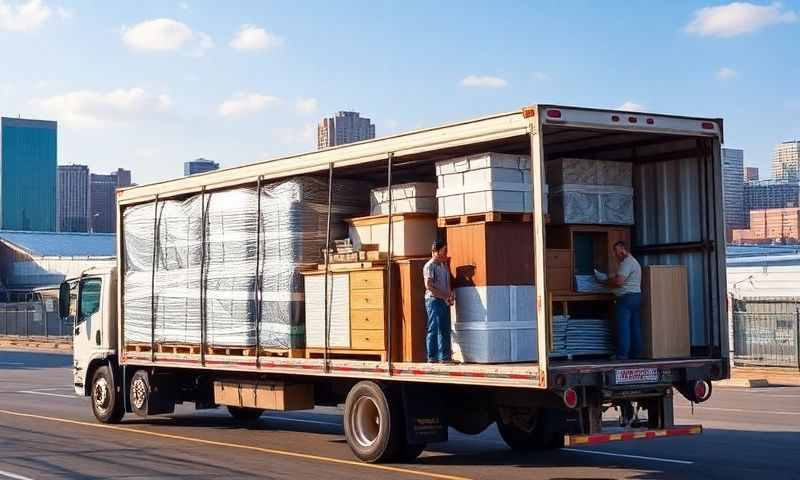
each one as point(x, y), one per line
point(89, 301)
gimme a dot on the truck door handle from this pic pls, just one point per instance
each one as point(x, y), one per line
point(77, 330)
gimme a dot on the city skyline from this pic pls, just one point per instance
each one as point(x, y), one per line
point(268, 73)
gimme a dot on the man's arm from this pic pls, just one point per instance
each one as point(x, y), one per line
point(435, 291)
point(619, 278)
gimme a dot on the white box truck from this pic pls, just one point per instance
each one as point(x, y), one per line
point(126, 362)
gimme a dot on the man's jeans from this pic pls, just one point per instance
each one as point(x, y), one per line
point(438, 338)
point(627, 314)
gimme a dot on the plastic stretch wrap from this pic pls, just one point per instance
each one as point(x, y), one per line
point(292, 233)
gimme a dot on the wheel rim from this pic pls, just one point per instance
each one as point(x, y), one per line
point(365, 422)
point(102, 395)
point(138, 393)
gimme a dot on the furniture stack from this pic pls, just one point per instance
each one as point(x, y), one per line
point(588, 191)
point(485, 206)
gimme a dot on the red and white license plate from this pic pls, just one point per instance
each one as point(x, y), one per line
point(623, 376)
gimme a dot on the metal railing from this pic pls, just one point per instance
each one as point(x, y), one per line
point(766, 332)
point(33, 319)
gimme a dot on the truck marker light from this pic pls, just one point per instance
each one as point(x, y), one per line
point(615, 118)
point(632, 119)
point(554, 114)
point(570, 398)
point(528, 112)
point(707, 125)
point(650, 121)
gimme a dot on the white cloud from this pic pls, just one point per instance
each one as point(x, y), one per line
point(94, 109)
point(165, 35)
point(65, 13)
point(23, 17)
point(725, 73)
point(738, 18)
point(631, 107)
point(306, 105)
point(243, 104)
point(301, 138)
point(483, 81)
point(540, 76)
point(252, 37)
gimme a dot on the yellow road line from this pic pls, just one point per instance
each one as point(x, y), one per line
point(305, 456)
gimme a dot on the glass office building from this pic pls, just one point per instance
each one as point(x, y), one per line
point(28, 174)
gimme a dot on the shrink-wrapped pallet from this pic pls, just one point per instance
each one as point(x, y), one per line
point(415, 197)
point(212, 264)
point(591, 204)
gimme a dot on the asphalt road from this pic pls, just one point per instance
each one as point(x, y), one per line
point(47, 432)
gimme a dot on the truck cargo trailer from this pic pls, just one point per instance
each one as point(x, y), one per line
point(227, 289)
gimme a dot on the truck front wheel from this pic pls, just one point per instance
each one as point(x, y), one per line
point(373, 424)
point(106, 402)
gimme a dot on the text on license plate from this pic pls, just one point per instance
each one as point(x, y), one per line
point(635, 375)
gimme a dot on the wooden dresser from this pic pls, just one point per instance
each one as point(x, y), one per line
point(358, 315)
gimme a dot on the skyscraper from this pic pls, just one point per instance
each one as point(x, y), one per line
point(103, 199)
point(344, 127)
point(765, 194)
point(73, 198)
point(786, 161)
point(750, 174)
point(28, 159)
point(199, 165)
point(733, 188)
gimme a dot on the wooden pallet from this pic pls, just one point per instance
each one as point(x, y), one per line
point(484, 217)
point(347, 354)
point(229, 351)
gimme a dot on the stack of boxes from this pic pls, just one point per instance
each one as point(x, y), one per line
point(494, 316)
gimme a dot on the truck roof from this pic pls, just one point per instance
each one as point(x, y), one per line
point(449, 136)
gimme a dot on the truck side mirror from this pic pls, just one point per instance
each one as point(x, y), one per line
point(63, 300)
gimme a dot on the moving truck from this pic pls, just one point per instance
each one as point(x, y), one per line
point(394, 407)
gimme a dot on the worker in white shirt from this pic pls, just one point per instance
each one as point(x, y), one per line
point(627, 287)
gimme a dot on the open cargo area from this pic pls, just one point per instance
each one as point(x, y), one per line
point(312, 264)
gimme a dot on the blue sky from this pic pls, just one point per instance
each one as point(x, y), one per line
point(147, 85)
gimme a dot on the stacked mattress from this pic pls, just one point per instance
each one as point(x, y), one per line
point(175, 265)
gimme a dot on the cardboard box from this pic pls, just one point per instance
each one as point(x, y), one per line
point(264, 394)
point(412, 233)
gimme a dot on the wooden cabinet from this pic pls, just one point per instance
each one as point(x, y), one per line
point(579, 249)
point(665, 312)
point(410, 303)
point(491, 253)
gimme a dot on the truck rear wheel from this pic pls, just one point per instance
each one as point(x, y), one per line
point(106, 402)
point(373, 425)
point(529, 435)
point(245, 414)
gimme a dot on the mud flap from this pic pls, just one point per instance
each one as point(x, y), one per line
point(424, 414)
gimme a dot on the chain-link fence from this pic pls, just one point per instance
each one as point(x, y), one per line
point(38, 318)
point(766, 332)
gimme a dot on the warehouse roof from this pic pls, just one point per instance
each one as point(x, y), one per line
point(60, 244)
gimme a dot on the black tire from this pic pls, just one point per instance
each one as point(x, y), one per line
point(411, 452)
point(374, 425)
point(106, 401)
point(245, 415)
point(139, 393)
point(529, 439)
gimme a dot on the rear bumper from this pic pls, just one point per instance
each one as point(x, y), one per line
point(638, 434)
point(670, 372)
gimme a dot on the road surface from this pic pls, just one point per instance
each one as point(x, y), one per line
point(47, 432)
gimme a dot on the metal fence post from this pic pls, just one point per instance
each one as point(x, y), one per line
point(797, 336)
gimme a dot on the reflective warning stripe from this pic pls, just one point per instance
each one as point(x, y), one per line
point(572, 440)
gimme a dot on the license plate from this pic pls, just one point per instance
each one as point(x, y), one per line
point(623, 376)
